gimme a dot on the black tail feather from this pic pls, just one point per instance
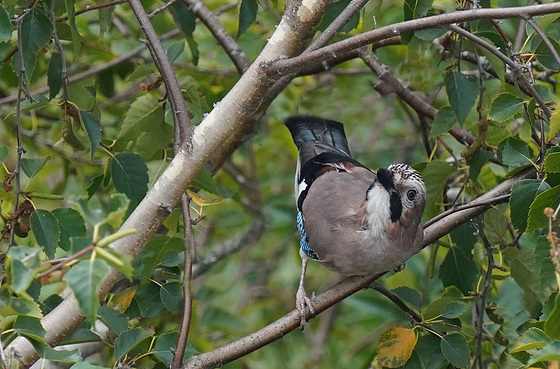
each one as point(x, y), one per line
point(305, 128)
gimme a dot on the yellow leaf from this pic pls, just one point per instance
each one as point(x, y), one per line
point(122, 300)
point(395, 347)
point(202, 199)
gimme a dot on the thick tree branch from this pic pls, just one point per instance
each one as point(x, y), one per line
point(346, 287)
point(233, 114)
point(294, 65)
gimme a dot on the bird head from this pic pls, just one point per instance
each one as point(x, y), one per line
point(398, 194)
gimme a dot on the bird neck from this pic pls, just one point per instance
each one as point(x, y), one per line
point(378, 210)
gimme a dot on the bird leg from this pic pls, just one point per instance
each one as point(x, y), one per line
point(302, 301)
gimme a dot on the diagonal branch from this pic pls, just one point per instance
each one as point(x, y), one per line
point(295, 64)
point(178, 106)
point(346, 287)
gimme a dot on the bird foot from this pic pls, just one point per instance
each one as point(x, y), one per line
point(303, 304)
point(399, 268)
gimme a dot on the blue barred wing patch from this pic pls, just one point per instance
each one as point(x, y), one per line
point(304, 242)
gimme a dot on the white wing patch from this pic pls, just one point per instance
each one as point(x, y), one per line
point(301, 187)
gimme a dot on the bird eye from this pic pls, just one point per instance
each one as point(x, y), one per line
point(411, 194)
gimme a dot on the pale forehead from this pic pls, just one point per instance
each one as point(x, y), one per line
point(404, 172)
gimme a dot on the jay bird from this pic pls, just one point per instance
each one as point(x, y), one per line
point(351, 219)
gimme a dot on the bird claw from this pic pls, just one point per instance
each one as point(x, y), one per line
point(303, 303)
point(399, 268)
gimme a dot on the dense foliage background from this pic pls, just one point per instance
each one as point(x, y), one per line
point(91, 96)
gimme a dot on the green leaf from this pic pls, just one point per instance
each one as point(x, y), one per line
point(554, 124)
point(504, 107)
point(533, 338)
point(458, 269)
point(32, 166)
point(454, 309)
point(408, 294)
point(430, 34)
point(5, 25)
point(144, 115)
point(165, 343)
point(476, 161)
point(552, 323)
point(455, 349)
point(510, 306)
point(413, 9)
point(113, 319)
point(193, 47)
point(444, 120)
point(462, 91)
point(183, 17)
point(416, 8)
point(93, 130)
point(4, 152)
point(514, 153)
point(247, 15)
point(30, 327)
point(543, 262)
point(130, 175)
point(20, 275)
point(333, 11)
point(175, 50)
point(54, 75)
point(86, 365)
point(552, 162)
point(523, 194)
point(435, 175)
point(36, 31)
point(128, 340)
point(464, 237)
point(84, 279)
point(545, 56)
point(94, 185)
point(75, 36)
point(547, 199)
point(70, 224)
point(371, 12)
point(153, 254)
point(522, 271)
point(45, 228)
point(171, 295)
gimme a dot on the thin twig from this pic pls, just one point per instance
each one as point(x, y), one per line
point(516, 68)
point(189, 259)
point(161, 8)
point(65, 261)
point(545, 39)
point(415, 102)
point(64, 68)
point(397, 301)
point(481, 307)
point(20, 149)
point(159, 55)
point(487, 203)
point(336, 25)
